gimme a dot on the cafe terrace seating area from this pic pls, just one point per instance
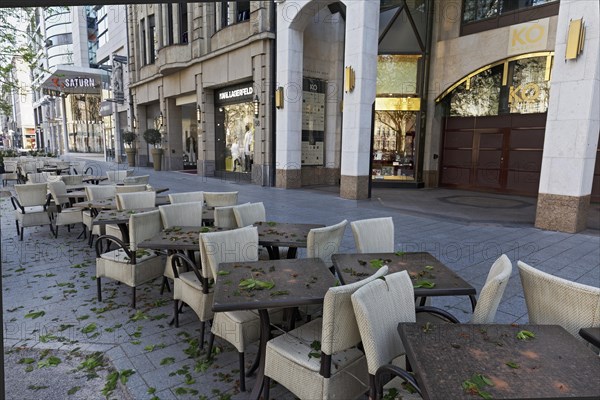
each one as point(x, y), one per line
point(272, 307)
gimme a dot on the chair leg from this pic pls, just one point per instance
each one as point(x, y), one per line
point(372, 388)
point(202, 328)
point(55, 232)
point(99, 288)
point(22, 229)
point(68, 228)
point(168, 285)
point(176, 312)
point(162, 286)
point(242, 372)
point(211, 340)
point(266, 387)
point(17, 222)
point(133, 297)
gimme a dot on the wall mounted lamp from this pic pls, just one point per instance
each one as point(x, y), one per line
point(279, 97)
point(198, 113)
point(256, 104)
point(349, 79)
point(159, 121)
point(134, 123)
point(575, 39)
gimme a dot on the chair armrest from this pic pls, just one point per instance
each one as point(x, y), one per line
point(182, 258)
point(119, 242)
point(15, 203)
point(438, 311)
point(384, 372)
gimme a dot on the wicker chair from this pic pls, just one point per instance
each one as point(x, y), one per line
point(64, 215)
point(96, 192)
point(181, 214)
point(136, 180)
point(186, 197)
point(220, 199)
point(72, 179)
point(131, 188)
point(324, 242)
point(127, 263)
point(11, 172)
point(192, 288)
point(38, 177)
point(379, 306)
point(130, 201)
point(77, 168)
point(556, 301)
point(31, 207)
point(224, 217)
point(489, 297)
point(374, 235)
point(340, 371)
point(239, 328)
point(118, 176)
point(249, 213)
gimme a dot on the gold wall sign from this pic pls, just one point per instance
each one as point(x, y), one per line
point(530, 36)
point(575, 39)
point(398, 104)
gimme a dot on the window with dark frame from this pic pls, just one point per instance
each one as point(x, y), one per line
point(243, 11)
point(152, 38)
point(183, 23)
point(170, 25)
point(481, 15)
point(144, 41)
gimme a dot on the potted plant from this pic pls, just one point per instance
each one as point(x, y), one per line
point(129, 138)
point(154, 137)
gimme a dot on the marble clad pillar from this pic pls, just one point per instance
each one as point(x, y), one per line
point(572, 127)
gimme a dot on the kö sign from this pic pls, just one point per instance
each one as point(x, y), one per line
point(528, 37)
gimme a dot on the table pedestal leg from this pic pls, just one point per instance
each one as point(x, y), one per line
point(291, 253)
point(265, 335)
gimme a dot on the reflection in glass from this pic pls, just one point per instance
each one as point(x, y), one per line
point(530, 91)
point(397, 74)
point(235, 137)
point(393, 145)
point(481, 99)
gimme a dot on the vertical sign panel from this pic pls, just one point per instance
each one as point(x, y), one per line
point(313, 121)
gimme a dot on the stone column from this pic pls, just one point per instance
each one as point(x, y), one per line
point(288, 130)
point(362, 27)
point(572, 126)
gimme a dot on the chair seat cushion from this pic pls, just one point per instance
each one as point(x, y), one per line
point(119, 255)
point(190, 279)
point(296, 347)
point(32, 210)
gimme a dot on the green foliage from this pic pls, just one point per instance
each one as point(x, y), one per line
point(153, 137)
point(128, 138)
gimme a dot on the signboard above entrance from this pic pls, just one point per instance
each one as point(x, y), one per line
point(235, 94)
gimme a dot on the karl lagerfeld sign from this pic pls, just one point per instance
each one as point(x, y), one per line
point(234, 94)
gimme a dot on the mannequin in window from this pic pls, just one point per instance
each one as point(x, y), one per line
point(235, 154)
point(248, 147)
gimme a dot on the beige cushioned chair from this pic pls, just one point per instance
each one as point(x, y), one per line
point(65, 215)
point(96, 192)
point(220, 199)
point(249, 213)
point(224, 217)
point(240, 328)
point(127, 263)
point(11, 172)
point(186, 197)
point(556, 301)
point(375, 235)
point(489, 296)
point(379, 306)
point(31, 206)
point(340, 371)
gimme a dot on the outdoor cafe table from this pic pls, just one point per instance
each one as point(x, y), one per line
point(273, 235)
point(109, 203)
point(552, 365)
point(423, 268)
point(94, 179)
point(297, 282)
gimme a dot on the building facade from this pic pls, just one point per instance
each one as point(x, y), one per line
point(68, 91)
point(200, 73)
point(465, 94)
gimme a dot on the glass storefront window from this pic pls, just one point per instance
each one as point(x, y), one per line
point(475, 10)
point(84, 122)
point(235, 137)
point(529, 92)
point(394, 146)
point(524, 90)
point(397, 74)
point(482, 98)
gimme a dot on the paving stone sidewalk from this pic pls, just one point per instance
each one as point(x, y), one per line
point(49, 293)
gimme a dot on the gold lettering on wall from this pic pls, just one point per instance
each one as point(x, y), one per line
point(530, 36)
point(527, 93)
point(398, 103)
